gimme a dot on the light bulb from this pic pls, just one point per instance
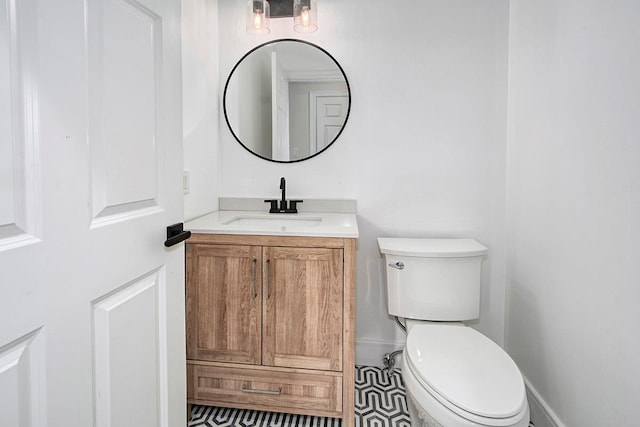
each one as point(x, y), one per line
point(305, 19)
point(258, 19)
point(305, 16)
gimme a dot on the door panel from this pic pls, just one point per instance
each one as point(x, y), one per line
point(303, 308)
point(224, 303)
point(128, 332)
point(327, 114)
point(332, 113)
point(92, 307)
point(21, 381)
point(20, 209)
point(125, 52)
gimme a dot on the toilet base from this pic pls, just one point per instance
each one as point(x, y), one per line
point(420, 418)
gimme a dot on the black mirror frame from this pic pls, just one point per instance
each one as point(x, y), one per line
point(224, 100)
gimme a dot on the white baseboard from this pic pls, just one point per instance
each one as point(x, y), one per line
point(370, 352)
point(541, 413)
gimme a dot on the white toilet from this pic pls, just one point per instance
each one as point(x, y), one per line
point(454, 375)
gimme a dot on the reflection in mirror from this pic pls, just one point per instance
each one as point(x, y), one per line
point(287, 100)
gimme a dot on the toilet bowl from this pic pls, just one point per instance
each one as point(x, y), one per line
point(454, 375)
point(457, 377)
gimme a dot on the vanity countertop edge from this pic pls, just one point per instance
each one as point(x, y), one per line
point(307, 224)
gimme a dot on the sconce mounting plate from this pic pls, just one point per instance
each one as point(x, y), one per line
point(281, 8)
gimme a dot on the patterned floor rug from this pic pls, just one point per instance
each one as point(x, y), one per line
point(380, 402)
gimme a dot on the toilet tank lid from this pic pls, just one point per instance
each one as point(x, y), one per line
point(436, 248)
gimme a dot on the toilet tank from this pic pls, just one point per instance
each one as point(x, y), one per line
point(433, 279)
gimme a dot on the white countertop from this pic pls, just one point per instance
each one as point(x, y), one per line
point(321, 224)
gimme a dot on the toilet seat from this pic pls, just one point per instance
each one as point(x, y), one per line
point(466, 372)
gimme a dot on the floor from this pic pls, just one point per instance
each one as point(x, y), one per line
point(380, 402)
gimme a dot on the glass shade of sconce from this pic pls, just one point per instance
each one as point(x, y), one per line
point(305, 16)
point(258, 16)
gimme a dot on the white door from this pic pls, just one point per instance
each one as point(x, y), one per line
point(280, 110)
point(327, 114)
point(91, 302)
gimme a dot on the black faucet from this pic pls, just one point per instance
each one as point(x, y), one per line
point(283, 187)
point(285, 206)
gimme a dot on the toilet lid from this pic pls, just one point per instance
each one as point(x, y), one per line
point(466, 369)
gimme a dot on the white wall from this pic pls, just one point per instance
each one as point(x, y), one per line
point(200, 100)
point(424, 149)
point(574, 207)
point(424, 154)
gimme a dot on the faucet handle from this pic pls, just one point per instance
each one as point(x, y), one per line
point(274, 205)
point(293, 205)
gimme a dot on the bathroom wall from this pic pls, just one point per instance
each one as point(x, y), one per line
point(424, 149)
point(200, 101)
point(424, 154)
point(574, 208)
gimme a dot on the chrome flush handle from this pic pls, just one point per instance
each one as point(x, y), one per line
point(399, 265)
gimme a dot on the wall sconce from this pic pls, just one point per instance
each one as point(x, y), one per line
point(304, 13)
point(258, 17)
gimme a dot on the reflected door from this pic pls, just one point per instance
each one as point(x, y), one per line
point(280, 110)
point(328, 112)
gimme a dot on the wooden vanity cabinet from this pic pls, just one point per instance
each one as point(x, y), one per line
point(270, 323)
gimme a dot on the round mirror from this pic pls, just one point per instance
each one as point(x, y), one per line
point(286, 100)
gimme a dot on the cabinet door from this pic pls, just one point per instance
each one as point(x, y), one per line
point(224, 303)
point(303, 308)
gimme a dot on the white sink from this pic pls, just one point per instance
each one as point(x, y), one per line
point(316, 224)
point(273, 221)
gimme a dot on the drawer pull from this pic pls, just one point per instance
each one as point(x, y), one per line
point(258, 391)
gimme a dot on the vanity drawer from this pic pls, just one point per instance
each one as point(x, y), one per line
point(276, 390)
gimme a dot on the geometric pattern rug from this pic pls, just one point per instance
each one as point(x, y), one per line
point(380, 402)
